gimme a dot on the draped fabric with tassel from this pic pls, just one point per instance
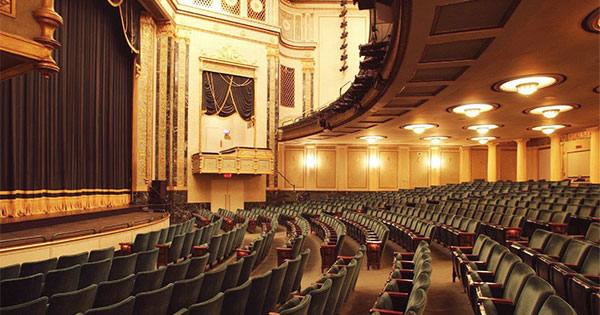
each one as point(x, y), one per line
point(65, 142)
point(225, 95)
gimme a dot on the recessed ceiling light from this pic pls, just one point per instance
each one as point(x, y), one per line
point(591, 23)
point(472, 110)
point(483, 140)
point(419, 128)
point(527, 85)
point(548, 129)
point(372, 139)
point(550, 111)
point(483, 129)
point(436, 139)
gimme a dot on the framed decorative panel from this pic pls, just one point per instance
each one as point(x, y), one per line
point(357, 169)
point(449, 167)
point(231, 6)
point(257, 9)
point(287, 93)
point(388, 169)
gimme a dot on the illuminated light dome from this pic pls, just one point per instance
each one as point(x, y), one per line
point(548, 129)
point(372, 139)
point(483, 129)
point(436, 139)
point(472, 110)
point(483, 140)
point(419, 128)
point(527, 85)
point(551, 111)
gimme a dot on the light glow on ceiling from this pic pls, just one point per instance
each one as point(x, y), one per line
point(483, 129)
point(550, 111)
point(483, 140)
point(419, 128)
point(528, 85)
point(472, 110)
point(435, 139)
point(548, 129)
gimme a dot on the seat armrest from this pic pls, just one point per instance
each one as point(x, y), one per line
point(383, 312)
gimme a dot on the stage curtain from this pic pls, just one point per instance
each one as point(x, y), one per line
point(65, 141)
point(224, 95)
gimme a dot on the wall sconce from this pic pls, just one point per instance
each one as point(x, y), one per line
point(373, 161)
point(435, 162)
point(310, 161)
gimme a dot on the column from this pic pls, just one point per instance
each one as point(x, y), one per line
point(555, 158)
point(434, 166)
point(594, 155)
point(491, 162)
point(465, 164)
point(272, 107)
point(521, 160)
point(308, 70)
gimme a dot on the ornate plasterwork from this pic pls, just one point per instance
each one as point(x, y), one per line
point(227, 60)
point(7, 7)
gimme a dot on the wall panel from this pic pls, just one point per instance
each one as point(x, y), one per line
point(388, 169)
point(450, 164)
point(326, 168)
point(479, 163)
point(357, 169)
point(294, 167)
point(508, 164)
point(419, 168)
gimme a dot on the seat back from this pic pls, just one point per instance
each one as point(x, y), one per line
point(277, 277)
point(235, 299)
point(505, 267)
point(516, 280)
point(175, 248)
point(212, 283)
point(146, 260)
point(591, 263)
point(20, 290)
point(539, 238)
point(533, 295)
point(300, 273)
point(290, 277)
point(176, 272)
point(111, 292)
point(554, 305)
point(122, 266)
point(185, 293)
point(232, 274)
point(319, 297)
point(416, 301)
point(153, 239)
point(140, 243)
point(258, 293)
point(62, 280)
point(496, 255)
point(197, 266)
point(94, 272)
point(593, 233)
point(575, 252)
point(336, 288)
point(153, 302)
point(213, 248)
point(210, 306)
point(224, 240)
point(188, 241)
point(350, 268)
point(34, 307)
point(66, 261)
point(40, 266)
point(148, 280)
point(247, 265)
point(72, 302)
point(10, 271)
point(101, 254)
point(556, 245)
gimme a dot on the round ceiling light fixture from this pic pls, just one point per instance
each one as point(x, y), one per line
point(419, 128)
point(472, 110)
point(527, 85)
point(435, 139)
point(551, 111)
point(372, 139)
point(591, 23)
point(549, 129)
point(483, 129)
point(483, 140)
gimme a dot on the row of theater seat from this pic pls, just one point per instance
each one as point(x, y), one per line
point(498, 282)
point(297, 229)
point(405, 291)
point(570, 264)
point(327, 295)
point(405, 231)
point(333, 233)
point(369, 231)
point(261, 245)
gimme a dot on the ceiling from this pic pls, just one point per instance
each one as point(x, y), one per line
point(452, 60)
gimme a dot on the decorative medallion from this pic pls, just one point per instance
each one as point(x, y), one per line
point(231, 2)
point(256, 6)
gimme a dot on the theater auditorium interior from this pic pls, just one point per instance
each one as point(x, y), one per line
point(299, 157)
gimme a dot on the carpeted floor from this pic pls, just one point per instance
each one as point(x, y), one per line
point(444, 297)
